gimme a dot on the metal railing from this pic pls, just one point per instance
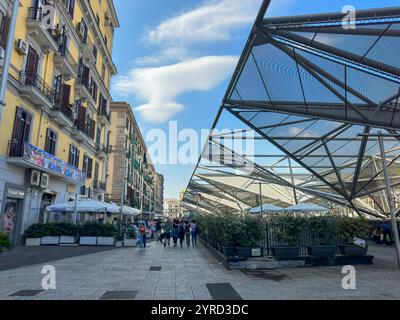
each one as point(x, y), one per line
point(307, 237)
point(102, 111)
point(64, 52)
point(16, 149)
point(65, 110)
point(35, 13)
point(29, 78)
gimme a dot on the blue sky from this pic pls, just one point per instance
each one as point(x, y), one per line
point(175, 59)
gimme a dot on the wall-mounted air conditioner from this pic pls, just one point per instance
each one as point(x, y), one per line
point(44, 181)
point(33, 178)
point(21, 46)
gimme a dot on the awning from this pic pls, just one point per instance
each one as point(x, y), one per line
point(128, 211)
point(84, 205)
point(266, 208)
point(307, 207)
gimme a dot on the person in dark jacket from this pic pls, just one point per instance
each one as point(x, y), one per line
point(187, 233)
point(175, 231)
point(181, 233)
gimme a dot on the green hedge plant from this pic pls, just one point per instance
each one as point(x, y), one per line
point(95, 229)
point(350, 228)
point(5, 243)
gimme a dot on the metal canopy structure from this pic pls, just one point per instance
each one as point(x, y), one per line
point(307, 91)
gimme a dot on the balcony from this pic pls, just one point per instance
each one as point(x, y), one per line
point(86, 47)
point(83, 92)
point(62, 115)
point(35, 89)
point(103, 116)
point(37, 30)
point(64, 61)
point(28, 156)
point(101, 151)
point(99, 185)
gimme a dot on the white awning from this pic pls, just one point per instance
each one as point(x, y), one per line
point(84, 205)
point(266, 208)
point(307, 207)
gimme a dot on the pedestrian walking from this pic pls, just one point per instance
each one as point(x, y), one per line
point(387, 233)
point(181, 233)
point(142, 235)
point(167, 234)
point(158, 230)
point(175, 232)
point(187, 233)
point(194, 229)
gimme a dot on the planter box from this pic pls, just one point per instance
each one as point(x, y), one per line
point(130, 243)
point(322, 251)
point(286, 252)
point(105, 241)
point(50, 241)
point(33, 242)
point(249, 252)
point(88, 241)
point(353, 250)
point(67, 240)
point(228, 251)
point(118, 244)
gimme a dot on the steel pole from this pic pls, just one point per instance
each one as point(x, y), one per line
point(390, 197)
point(7, 55)
point(76, 209)
point(261, 199)
point(123, 189)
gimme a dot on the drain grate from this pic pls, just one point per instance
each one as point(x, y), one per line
point(119, 295)
point(265, 275)
point(223, 291)
point(155, 268)
point(26, 293)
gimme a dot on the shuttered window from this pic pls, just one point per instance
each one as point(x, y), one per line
point(21, 132)
point(5, 25)
point(51, 140)
point(73, 158)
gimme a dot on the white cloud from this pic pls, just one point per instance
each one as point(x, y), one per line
point(165, 56)
point(159, 87)
point(210, 22)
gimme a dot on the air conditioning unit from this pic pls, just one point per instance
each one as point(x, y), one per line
point(21, 46)
point(44, 181)
point(33, 178)
point(80, 29)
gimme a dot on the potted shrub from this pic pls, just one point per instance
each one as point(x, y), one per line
point(130, 238)
point(66, 231)
point(324, 230)
point(287, 232)
point(33, 235)
point(248, 235)
point(228, 236)
point(88, 233)
point(106, 235)
point(50, 235)
point(5, 243)
point(119, 239)
point(350, 229)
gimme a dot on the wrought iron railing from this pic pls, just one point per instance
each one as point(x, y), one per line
point(102, 111)
point(64, 52)
point(16, 149)
point(65, 110)
point(29, 78)
point(35, 13)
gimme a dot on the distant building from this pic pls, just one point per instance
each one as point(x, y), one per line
point(130, 163)
point(172, 208)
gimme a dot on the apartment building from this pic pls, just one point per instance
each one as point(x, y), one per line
point(172, 208)
point(131, 173)
point(56, 119)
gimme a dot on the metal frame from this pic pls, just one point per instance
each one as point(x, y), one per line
point(311, 167)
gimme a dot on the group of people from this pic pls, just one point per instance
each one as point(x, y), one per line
point(182, 231)
point(383, 234)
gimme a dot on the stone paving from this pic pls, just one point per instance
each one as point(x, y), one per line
point(185, 273)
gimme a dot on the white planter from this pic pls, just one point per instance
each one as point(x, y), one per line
point(67, 240)
point(118, 244)
point(50, 241)
point(88, 241)
point(33, 242)
point(130, 242)
point(105, 241)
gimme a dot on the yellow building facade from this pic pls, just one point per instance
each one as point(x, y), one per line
point(56, 119)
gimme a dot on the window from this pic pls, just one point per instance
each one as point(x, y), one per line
point(103, 72)
point(21, 132)
point(50, 144)
point(95, 52)
point(73, 158)
point(4, 26)
point(87, 166)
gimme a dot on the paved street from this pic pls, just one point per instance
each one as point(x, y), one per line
point(189, 274)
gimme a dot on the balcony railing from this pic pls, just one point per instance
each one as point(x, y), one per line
point(29, 78)
point(35, 14)
point(16, 148)
point(65, 110)
point(102, 111)
point(64, 52)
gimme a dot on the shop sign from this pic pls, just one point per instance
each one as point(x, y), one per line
point(15, 193)
point(52, 164)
